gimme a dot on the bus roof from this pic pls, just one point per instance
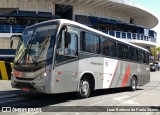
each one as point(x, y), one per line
point(65, 21)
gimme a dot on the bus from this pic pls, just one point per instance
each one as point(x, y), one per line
point(60, 56)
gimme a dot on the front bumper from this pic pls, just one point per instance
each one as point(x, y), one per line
point(32, 85)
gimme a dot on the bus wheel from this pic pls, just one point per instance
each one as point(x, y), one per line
point(84, 88)
point(133, 85)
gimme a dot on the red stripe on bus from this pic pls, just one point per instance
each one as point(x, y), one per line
point(114, 74)
point(59, 72)
point(126, 76)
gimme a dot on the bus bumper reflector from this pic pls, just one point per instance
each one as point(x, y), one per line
point(58, 79)
point(25, 89)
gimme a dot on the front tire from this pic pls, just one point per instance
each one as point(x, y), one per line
point(133, 85)
point(84, 88)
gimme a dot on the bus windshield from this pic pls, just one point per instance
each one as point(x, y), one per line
point(37, 45)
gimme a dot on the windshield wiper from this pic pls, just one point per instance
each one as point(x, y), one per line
point(20, 56)
point(26, 49)
point(29, 45)
point(29, 55)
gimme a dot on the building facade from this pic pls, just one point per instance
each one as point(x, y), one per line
point(123, 19)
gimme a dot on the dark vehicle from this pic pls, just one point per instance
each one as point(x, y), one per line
point(155, 66)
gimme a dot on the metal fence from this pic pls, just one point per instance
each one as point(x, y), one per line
point(12, 28)
point(129, 35)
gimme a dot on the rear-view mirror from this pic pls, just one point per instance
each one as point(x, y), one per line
point(13, 37)
point(67, 38)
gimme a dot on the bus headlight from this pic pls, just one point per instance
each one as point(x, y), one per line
point(45, 74)
point(12, 73)
point(42, 75)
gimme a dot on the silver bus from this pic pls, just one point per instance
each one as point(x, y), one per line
point(64, 56)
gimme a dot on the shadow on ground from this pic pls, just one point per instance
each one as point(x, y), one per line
point(34, 99)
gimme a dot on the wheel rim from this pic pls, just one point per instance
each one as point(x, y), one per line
point(133, 84)
point(85, 87)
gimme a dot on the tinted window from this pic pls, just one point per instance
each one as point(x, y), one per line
point(144, 57)
point(147, 57)
point(72, 47)
point(108, 47)
point(132, 54)
point(90, 43)
point(141, 56)
point(122, 51)
point(65, 48)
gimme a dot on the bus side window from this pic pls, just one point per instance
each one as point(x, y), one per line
point(132, 54)
point(141, 57)
point(122, 51)
point(66, 50)
point(90, 43)
point(72, 47)
point(60, 46)
point(147, 57)
point(108, 47)
point(144, 57)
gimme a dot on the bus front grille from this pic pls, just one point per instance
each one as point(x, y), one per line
point(19, 78)
point(24, 85)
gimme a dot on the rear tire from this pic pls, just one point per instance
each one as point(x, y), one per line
point(133, 85)
point(84, 88)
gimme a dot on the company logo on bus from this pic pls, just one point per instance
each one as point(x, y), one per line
point(106, 63)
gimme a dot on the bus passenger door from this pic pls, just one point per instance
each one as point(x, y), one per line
point(66, 69)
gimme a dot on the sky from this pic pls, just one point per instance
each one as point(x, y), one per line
point(153, 5)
